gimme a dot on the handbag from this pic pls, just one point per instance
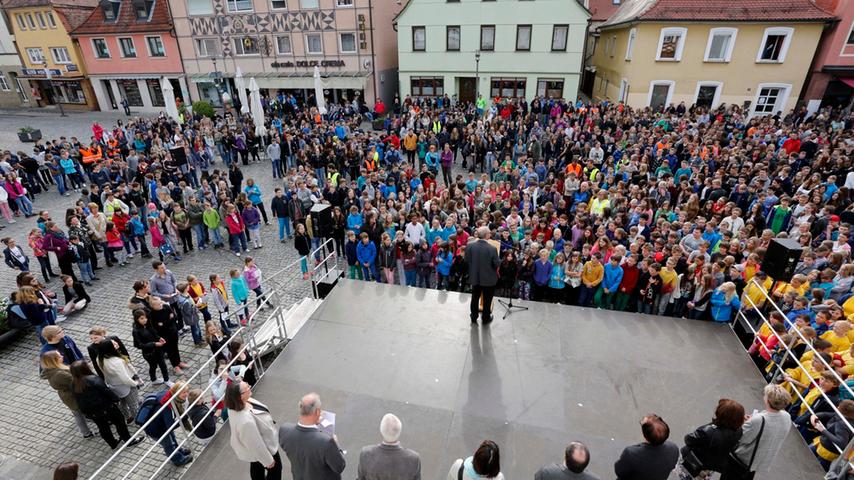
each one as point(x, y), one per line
point(737, 465)
point(691, 463)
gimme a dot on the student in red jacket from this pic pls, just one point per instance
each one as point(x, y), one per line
point(236, 239)
point(631, 273)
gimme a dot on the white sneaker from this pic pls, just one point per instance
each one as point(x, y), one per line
point(130, 255)
point(61, 318)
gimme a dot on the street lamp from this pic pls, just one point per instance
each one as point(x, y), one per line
point(476, 75)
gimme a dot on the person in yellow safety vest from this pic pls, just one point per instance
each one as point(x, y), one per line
point(437, 126)
point(590, 171)
point(332, 175)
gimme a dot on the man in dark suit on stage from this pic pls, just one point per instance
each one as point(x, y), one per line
point(314, 454)
point(482, 259)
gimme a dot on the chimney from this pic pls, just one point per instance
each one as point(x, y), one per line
point(828, 6)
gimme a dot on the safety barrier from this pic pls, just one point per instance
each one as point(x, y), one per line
point(759, 311)
point(124, 464)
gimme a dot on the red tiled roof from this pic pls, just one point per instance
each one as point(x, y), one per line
point(127, 21)
point(719, 11)
point(600, 10)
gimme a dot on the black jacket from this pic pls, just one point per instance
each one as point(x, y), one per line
point(96, 398)
point(208, 424)
point(76, 293)
point(483, 261)
point(279, 206)
point(145, 338)
point(92, 350)
point(711, 445)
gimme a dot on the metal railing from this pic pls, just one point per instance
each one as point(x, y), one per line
point(766, 304)
point(275, 298)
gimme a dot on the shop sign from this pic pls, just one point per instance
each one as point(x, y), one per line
point(308, 64)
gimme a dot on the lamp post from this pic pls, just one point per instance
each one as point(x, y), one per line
point(476, 75)
point(217, 76)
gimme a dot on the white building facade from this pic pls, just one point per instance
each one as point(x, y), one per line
point(495, 48)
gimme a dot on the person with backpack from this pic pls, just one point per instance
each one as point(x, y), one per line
point(99, 404)
point(160, 426)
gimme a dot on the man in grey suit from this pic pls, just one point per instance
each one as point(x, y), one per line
point(388, 460)
point(314, 455)
point(482, 259)
point(575, 462)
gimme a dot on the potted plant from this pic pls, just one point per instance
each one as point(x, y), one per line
point(7, 331)
point(29, 134)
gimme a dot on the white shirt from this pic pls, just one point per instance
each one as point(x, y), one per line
point(415, 233)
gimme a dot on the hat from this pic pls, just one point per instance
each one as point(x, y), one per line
point(659, 256)
point(834, 218)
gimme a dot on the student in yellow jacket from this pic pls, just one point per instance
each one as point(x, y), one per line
point(591, 276)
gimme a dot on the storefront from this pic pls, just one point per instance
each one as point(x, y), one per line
point(73, 91)
point(144, 93)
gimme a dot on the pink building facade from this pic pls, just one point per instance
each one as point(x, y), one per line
point(128, 47)
point(831, 81)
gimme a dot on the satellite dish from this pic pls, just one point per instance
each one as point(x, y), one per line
point(366, 64)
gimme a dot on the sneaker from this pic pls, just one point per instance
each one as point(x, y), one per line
point(237, 254)
point(89, 435)
point(282, 240)
point(88, 284)
point(178, 370)
point(13, 221)
point(130, 255)
point(95, 278)
point(183, 365)
point(158, 381)
point(61, 318)
point(136, 441)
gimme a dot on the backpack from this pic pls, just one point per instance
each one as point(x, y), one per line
point(149, 406)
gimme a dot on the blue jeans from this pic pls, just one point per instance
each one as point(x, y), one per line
point(321, 177)
point(86, 273)
point(276, 162)
point(370, 273)
point(410, 276)
point(216, 238)
point(25, 206)
point(585, 295)
point(170, 444)
point(200, 235)
point(284, 227)
point(195, 331)
point(237, 241)
point(60, 183)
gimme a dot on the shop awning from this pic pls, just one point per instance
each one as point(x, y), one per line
point(848, 81)
point(336, 80)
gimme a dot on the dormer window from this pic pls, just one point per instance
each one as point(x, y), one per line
point(143, 9)
point(111, 9)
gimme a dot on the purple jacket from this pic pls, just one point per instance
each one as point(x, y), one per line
point(447, 158)
point(542, 272)
point(251, 217)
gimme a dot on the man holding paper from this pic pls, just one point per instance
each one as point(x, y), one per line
point(311, 445)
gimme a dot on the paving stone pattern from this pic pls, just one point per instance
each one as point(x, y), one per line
point(37, 429)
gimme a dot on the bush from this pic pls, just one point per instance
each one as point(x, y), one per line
point(202, 107)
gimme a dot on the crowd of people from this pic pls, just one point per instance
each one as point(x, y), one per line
point(656, 212)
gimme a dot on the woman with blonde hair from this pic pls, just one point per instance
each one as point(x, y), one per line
point(59, 377)
point(724, 301)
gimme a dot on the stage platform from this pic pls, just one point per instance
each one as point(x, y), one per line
point(532, 383)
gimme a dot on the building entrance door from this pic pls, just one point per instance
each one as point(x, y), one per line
point(468, 88)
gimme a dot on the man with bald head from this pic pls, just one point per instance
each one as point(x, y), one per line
point(389, 460)
point(482, 259)
point(314, 454)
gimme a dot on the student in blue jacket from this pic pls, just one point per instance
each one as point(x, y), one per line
point(444, 260)
point(355, 220)
point(366, 253)
point(724, 302)
point(610, 282)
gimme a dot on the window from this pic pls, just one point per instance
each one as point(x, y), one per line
point(155, 47)
point(314, 43)
point(720, 44)
point(345, 3)
point(427, 86)
point(20, 19)
point(707, 94)
point(127, 48)
point(660, 93)
point(548, 88)
point(207, 47)
point(200, 7)
point(419, 39)
point(143, 9)
point(246, 46)
point(60, 55)
point(40, 18)
point(771, 98)
point(239, 5)
point(850, 40)
point(99, 46)
point(670, 44)
point(50, 20)
point(4, 85)
point(487, 37)
point(347, 43)
point(130, 91)
point(611, 46)
point(111, 10)
point(630, 44)
point(559, 35)
point(523, 38)
point(155, 91)
point(279, 4)
point(308, 4)
point(35, 55)
point(30, 22)
point(452, 38)
point(775, 44)
point(283, 45)
point(508, 87)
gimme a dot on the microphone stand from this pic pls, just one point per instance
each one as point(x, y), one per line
point(509, 308)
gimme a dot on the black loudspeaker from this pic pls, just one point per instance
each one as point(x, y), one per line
point(321, 220)
point(781, 258)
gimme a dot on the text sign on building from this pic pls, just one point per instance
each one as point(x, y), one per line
point(308, 64)
point(42, 71)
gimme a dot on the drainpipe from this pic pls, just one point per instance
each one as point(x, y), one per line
point(373, 49)
point(174, 35)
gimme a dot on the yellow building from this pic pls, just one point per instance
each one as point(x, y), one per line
point(708, 52)
point(41, 30)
